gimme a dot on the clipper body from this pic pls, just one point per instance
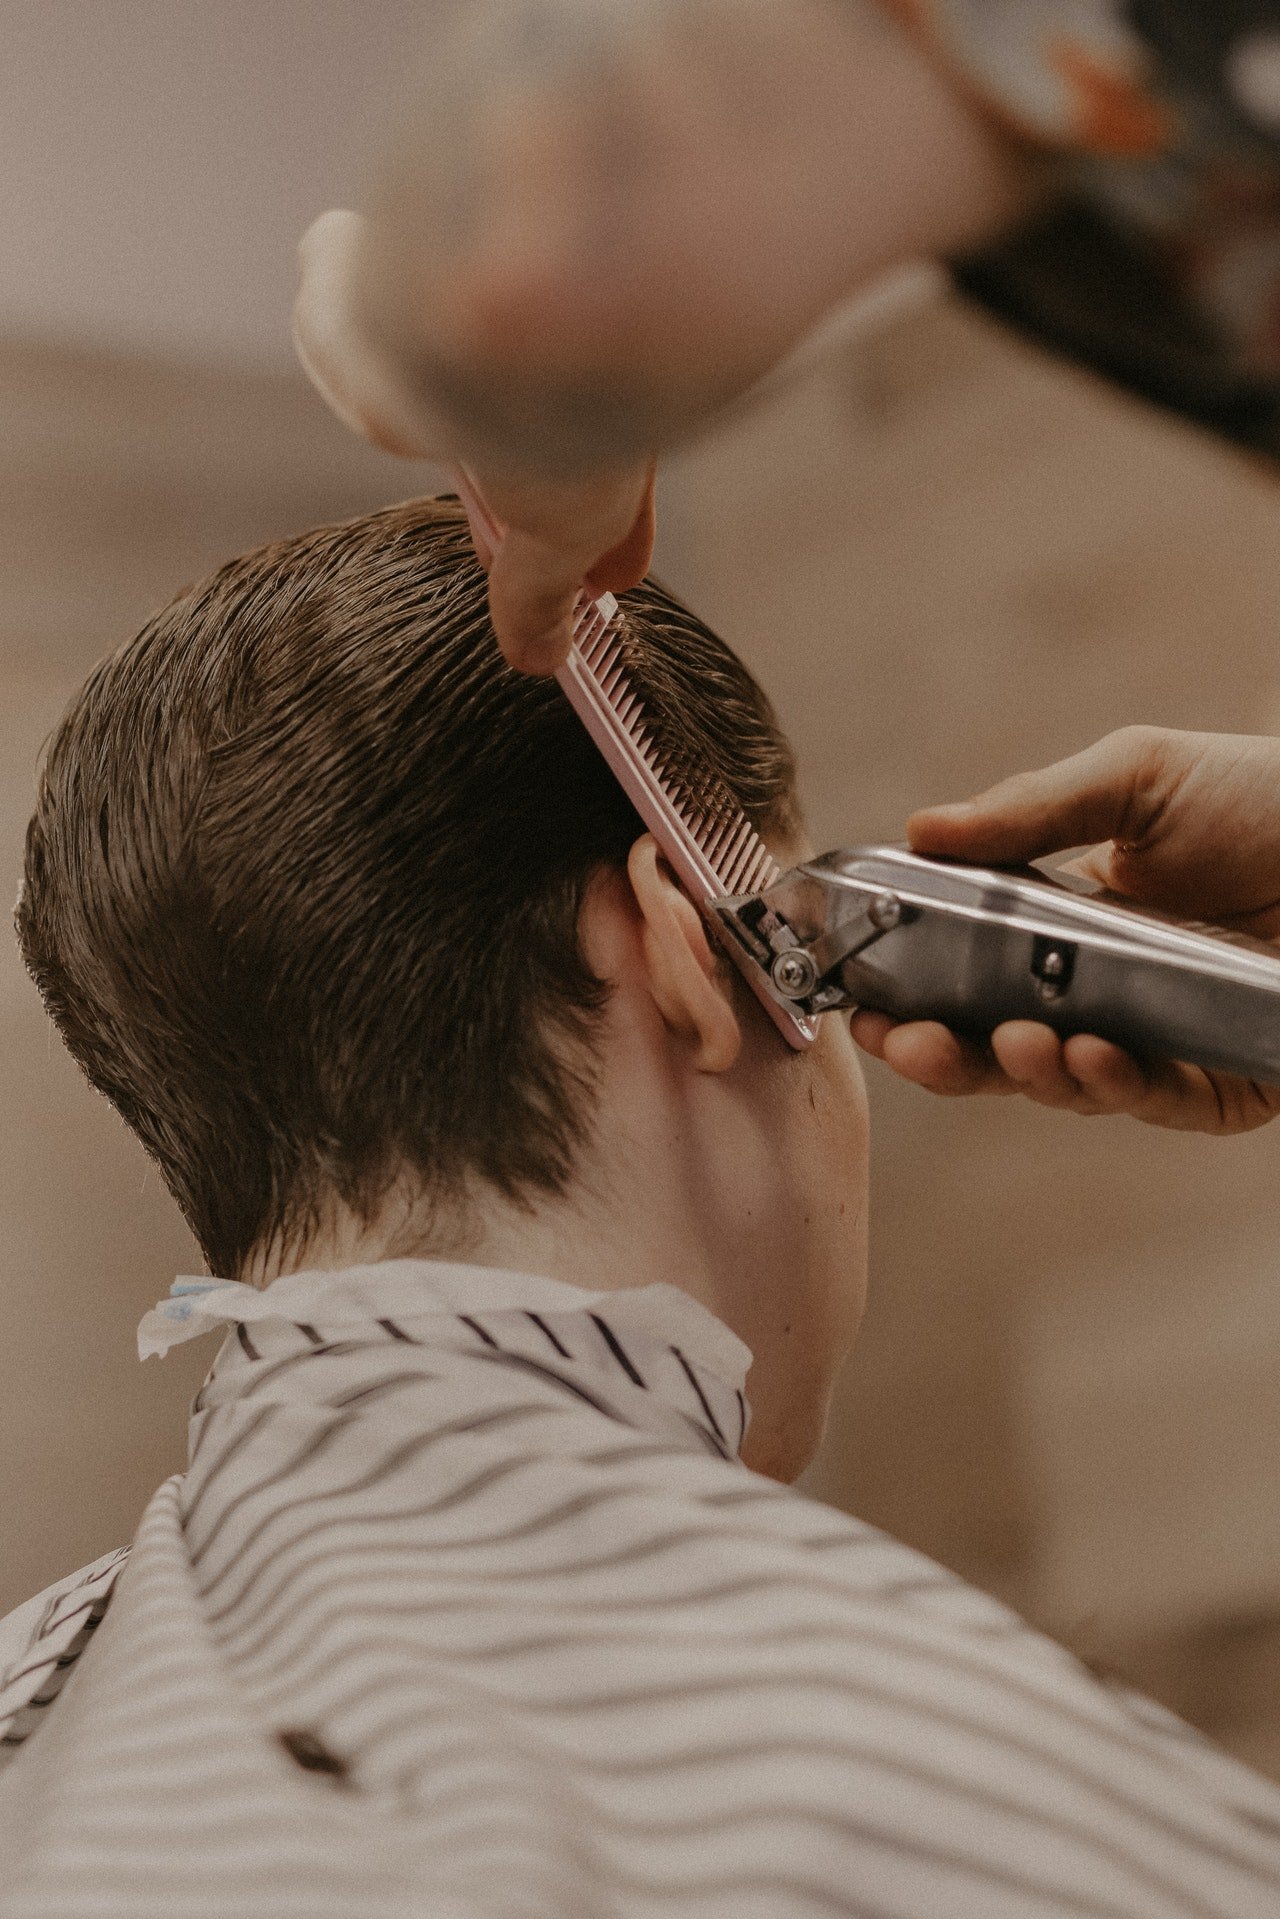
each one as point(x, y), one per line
point(889, 930)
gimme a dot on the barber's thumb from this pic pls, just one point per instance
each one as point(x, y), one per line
point(1078, 801)
point(533, 618)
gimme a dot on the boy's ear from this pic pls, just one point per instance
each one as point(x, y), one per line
point(685, 978)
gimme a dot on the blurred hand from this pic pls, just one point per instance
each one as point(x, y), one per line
point(1188, 822)
point(559, 534)
point(558, 537)
point(359, 383)
point(603, 222)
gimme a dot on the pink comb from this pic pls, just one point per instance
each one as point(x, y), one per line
point(714, 857)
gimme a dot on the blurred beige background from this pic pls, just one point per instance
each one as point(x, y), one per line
point(945, 556)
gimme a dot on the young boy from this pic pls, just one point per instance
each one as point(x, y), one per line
point(480, 1596)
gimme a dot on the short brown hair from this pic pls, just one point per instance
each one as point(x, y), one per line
point(303, 880)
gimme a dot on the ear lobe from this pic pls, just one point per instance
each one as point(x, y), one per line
point(684, 978)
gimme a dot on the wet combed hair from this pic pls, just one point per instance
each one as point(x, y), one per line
point(303, 880)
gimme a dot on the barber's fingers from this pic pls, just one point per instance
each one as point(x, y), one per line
point(1089, 1076)
point(555, 542)
point(1167, 1092)
point(356, 381)
point(930, 1055)
point(1021, 1057)
point(532, 593)
point(626, 564)
point(1082, 1075)
point(1112, 790)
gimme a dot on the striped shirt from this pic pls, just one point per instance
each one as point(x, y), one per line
point(466, 1607)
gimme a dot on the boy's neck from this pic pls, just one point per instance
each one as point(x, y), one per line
point(581, 1244)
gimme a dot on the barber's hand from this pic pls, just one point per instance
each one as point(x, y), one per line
point(560, 534)
point(600, 224)
point(1188, 822)
point(559, 537)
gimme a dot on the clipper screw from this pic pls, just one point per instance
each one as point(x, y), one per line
point(1052, 964)
point(794, 973)
point(798, 970)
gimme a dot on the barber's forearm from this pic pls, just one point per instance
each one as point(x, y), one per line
point(615, 215)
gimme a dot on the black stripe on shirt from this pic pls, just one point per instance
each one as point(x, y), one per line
point(398, 1332)
point(543, 1327)
point(521, 1361)
point(479, 1331)
point(614, 1344)
point(703, 1401)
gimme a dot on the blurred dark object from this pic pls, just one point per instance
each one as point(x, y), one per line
point(1157, 261)
point(1105, 294)
point(1196, 44)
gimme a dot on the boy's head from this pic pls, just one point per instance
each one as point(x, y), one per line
point(306, 880)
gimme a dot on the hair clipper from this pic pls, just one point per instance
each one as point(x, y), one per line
point(919, 938)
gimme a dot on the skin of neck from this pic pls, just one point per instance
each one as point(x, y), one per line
point(719, 1162)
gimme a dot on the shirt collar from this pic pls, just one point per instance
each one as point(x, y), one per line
point(428, 1298)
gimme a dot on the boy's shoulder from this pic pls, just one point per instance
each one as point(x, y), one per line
point(41, 1640)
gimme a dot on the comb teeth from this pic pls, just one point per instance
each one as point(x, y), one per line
point(715, 852)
